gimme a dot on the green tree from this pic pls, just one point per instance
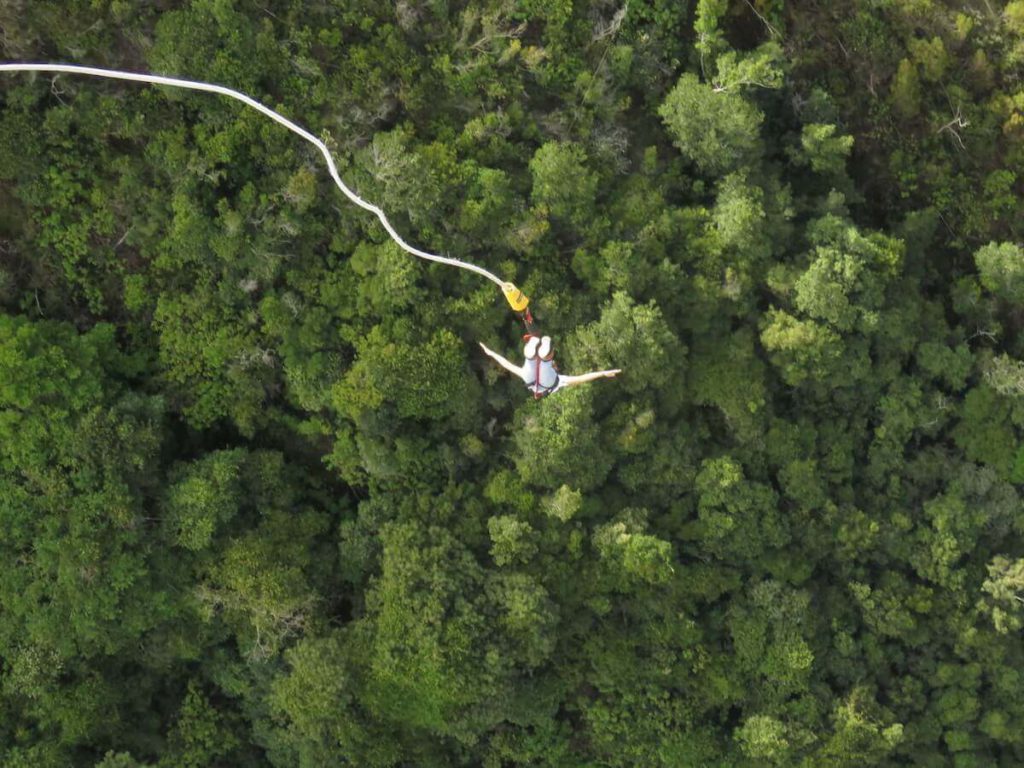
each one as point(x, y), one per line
point(205, 496)
point(800, 349)
point(317, 703)
point(739, 518)
point(906, 91)
point(636, 555)
point(512, 539)
point(719, 131)
point(846, 280)
point(763, 738)
point(1001, 269)
point(77, 467)
point(633, 337)
point(825, 152)
point(1005, 587)
point(561, 443)
point(760, 68)
point(862, 731)
point(198, 737)
point(562, 183)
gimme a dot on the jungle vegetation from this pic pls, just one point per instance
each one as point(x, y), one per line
point(263, 502)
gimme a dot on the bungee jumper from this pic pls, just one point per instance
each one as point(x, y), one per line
point(538, 371)
point(543, 375)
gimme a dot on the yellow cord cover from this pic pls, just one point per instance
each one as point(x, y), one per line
point(516, 298)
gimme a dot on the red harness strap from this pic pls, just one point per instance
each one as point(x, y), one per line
point(527, 318)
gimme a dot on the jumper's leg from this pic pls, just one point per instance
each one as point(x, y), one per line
point(544, 350)
point(530, 350)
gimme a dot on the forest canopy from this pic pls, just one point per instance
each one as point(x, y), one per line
point(263, 502)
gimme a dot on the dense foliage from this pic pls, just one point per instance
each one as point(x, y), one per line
point(264, 502)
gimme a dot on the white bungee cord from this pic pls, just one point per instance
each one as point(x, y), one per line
point(514, 296)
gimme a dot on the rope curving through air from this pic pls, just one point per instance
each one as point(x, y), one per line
point(296, 129)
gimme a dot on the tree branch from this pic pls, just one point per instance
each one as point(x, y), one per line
point(772, 31)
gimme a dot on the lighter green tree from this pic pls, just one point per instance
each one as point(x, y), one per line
point(1005, 587)
point(717, 131)
point(1001, 269)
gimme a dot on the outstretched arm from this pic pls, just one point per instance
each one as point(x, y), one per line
point(515, 370)
point(583, 378)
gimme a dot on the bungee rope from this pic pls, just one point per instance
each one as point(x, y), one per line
point(515, 297)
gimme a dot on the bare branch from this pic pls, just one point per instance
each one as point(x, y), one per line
point(57, 91)
point(719, 88)
point(119, 242)
point(510, 34)
point(958, 122)
point(602, 31)
point(772, 31)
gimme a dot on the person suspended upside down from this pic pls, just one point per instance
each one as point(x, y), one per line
point(538, 371)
